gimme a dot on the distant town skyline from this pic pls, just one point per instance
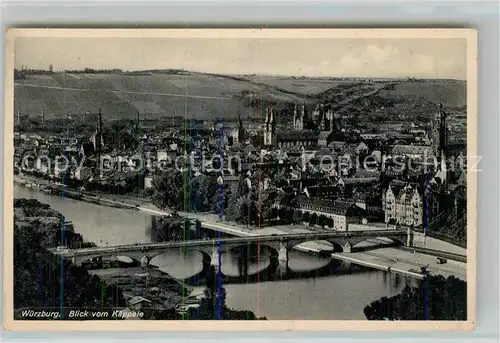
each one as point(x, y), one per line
point(321, 57)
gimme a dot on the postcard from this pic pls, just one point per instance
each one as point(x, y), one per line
point(240, 179)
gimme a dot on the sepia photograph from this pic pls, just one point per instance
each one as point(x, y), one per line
point(278, 179)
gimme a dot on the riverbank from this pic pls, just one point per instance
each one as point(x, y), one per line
point(55, 189)
point(387, 259)
point(160, 290)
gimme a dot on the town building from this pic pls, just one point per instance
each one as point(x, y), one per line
point(342, 213)
point(410, 204)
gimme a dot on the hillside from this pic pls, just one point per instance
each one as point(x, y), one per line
point(198, 95)
point(121, 96)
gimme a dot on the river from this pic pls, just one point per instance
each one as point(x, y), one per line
point(304, 294)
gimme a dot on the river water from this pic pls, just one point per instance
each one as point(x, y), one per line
point(312, 288)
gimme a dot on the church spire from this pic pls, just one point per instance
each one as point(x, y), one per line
point(270, 126)
point(303, 115)
point(439, 137)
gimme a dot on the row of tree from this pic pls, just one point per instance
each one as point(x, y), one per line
point(181, 191)
point(452, 228)
point(238, 202)
point(94, 71)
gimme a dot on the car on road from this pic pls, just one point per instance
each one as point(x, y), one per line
point(441, 260)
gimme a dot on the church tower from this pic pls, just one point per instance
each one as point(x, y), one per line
point(270, 128)
point(297, 119)
point(243, 136)
point(317, 114)
point(300, 120)
point(439, 133)
point(303, 115)
point(97, 137)
point(327, 120)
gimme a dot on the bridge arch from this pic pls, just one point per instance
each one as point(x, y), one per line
point(356, 243)
point(135, 256)
point(273, 247)
point(333, 245)
point(398, 240)
point(337, 247)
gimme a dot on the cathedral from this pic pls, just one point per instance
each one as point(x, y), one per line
point(309, 131)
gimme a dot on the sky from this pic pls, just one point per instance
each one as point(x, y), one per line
point(318, 57)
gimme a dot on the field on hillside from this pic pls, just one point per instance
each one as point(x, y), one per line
point(450, 93)
point(307, 86)
point(121, 96)
point(198, 95)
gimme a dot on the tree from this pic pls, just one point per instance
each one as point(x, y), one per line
point(178, 190)
point(38, 279)
point(274, 212)
point(288, 216)
point(297, 216)
point(164, 229)
point(306, 217)
point(267, 201)
point(222, 198)
point(282, 212)
point(284, 199)
point(168, 189)
point(313, 219)
point(330, 223)
point(243, 208)
point(203, 192)
point(234, 205)
point(148, 192)
point(322, 220)
point(444, 299)
point(254, 211)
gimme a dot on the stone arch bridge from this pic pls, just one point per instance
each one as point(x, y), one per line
point(212, 249)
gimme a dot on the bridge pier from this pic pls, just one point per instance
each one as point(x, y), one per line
point(347, 247)
point(282, 269)
point(145, 261)
point(283, 255)
point(214, 261)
